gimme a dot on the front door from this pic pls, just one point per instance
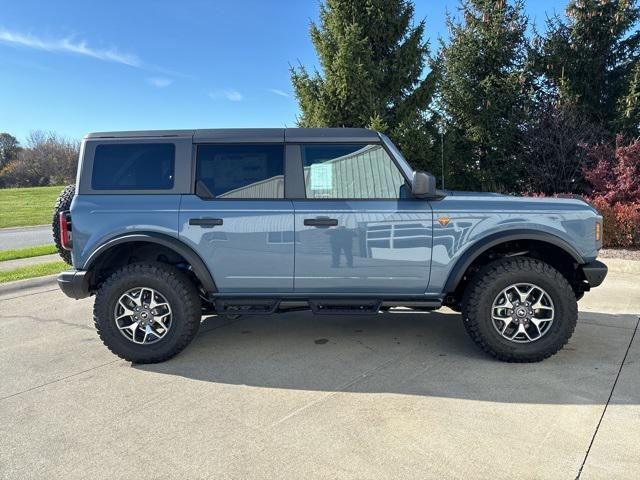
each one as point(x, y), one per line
point(239, 221)
point(357, 231)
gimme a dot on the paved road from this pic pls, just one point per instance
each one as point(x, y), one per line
point(25, 237)
point(297, 396)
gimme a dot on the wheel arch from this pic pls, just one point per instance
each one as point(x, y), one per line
point(198, 266)
point(489, 242)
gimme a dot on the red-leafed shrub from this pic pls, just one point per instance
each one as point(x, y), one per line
point(614, 173)
point(621, 222)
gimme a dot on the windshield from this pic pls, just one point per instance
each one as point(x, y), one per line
point(402, 162)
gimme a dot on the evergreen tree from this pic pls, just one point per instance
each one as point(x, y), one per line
point(373, 61)
point(589, 57)
point(483, 92)
point(629, 106)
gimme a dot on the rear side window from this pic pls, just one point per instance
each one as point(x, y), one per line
point(242, 171)
point(134, 166)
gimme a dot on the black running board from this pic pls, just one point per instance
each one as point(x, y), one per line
point(347, 306)
point(246, 306)
point(236, 305)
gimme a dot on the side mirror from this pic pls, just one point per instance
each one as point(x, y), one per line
point(423, 185)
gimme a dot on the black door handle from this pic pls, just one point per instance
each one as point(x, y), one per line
point(205, 222)
point(321, 222)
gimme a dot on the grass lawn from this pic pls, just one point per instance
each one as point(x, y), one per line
point(27, 252)
point(21, 207)
point(31, 271)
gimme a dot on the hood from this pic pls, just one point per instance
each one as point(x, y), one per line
point(461, 193)
point(568, 201)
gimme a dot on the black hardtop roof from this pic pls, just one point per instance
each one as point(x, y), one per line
point(251, 135)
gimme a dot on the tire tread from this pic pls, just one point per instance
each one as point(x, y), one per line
point(491, 274)
point(175, 280)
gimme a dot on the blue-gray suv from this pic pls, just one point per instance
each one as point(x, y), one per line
point(167, 226)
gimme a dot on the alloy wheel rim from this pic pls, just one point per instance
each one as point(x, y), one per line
point(522, 313)
point(143, 315)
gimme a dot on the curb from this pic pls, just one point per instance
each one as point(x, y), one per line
point(6, 265)
point(11, 287)
point(620, 265)
point(24, 227)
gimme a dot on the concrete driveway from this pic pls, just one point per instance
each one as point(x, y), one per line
point(296, 396)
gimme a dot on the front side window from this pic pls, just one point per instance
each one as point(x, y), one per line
point(350, 172)
point(242, 171)
point(134, 166)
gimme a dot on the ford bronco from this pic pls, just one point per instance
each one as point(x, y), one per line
point(164, 227)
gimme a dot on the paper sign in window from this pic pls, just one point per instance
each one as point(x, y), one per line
point(321, 176)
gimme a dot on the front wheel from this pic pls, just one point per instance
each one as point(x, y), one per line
point(147, 312)
point(520, 310)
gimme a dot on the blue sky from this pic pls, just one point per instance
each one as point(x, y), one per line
point(77, 66)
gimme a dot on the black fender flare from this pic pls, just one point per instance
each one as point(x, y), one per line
point(197, 264)
point(484, 244)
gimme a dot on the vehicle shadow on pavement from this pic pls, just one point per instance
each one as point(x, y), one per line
point(405, 354)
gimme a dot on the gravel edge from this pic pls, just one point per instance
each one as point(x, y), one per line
point(622, 253)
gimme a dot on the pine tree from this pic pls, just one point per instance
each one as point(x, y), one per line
point(588, 58)
point(373, 59)
point(483, 92)
point(629, 106)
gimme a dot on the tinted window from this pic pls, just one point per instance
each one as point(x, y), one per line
point(134, 166)
point(350, 171)
point(242, 171)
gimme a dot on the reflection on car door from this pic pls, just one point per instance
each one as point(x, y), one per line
point(354, 232)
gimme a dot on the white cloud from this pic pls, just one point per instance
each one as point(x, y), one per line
point(68, 45)
point(159, 82)
point(281, 93)
point(230, 94)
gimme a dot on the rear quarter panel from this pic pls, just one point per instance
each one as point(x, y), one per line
point(99, 218)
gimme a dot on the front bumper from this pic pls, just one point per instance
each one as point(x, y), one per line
point(594, 272)
point(74, 283)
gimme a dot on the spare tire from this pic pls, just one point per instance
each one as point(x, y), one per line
point(62, 203)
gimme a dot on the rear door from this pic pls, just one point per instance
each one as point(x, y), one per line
point(238, 219)
point(358, 231)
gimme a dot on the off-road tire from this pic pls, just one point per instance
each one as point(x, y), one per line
point(62, 203)
point(174, 285)
point(490, 281)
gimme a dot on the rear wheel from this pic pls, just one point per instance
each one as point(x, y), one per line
point(520, 310)
point(147, 312)
point(63, 203)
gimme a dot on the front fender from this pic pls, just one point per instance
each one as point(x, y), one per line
point(467, 257)
point(467, 225)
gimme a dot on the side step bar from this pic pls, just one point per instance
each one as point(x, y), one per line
point(320, 306)
point(345, 307)
point(246, 306)
point(421, 305)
